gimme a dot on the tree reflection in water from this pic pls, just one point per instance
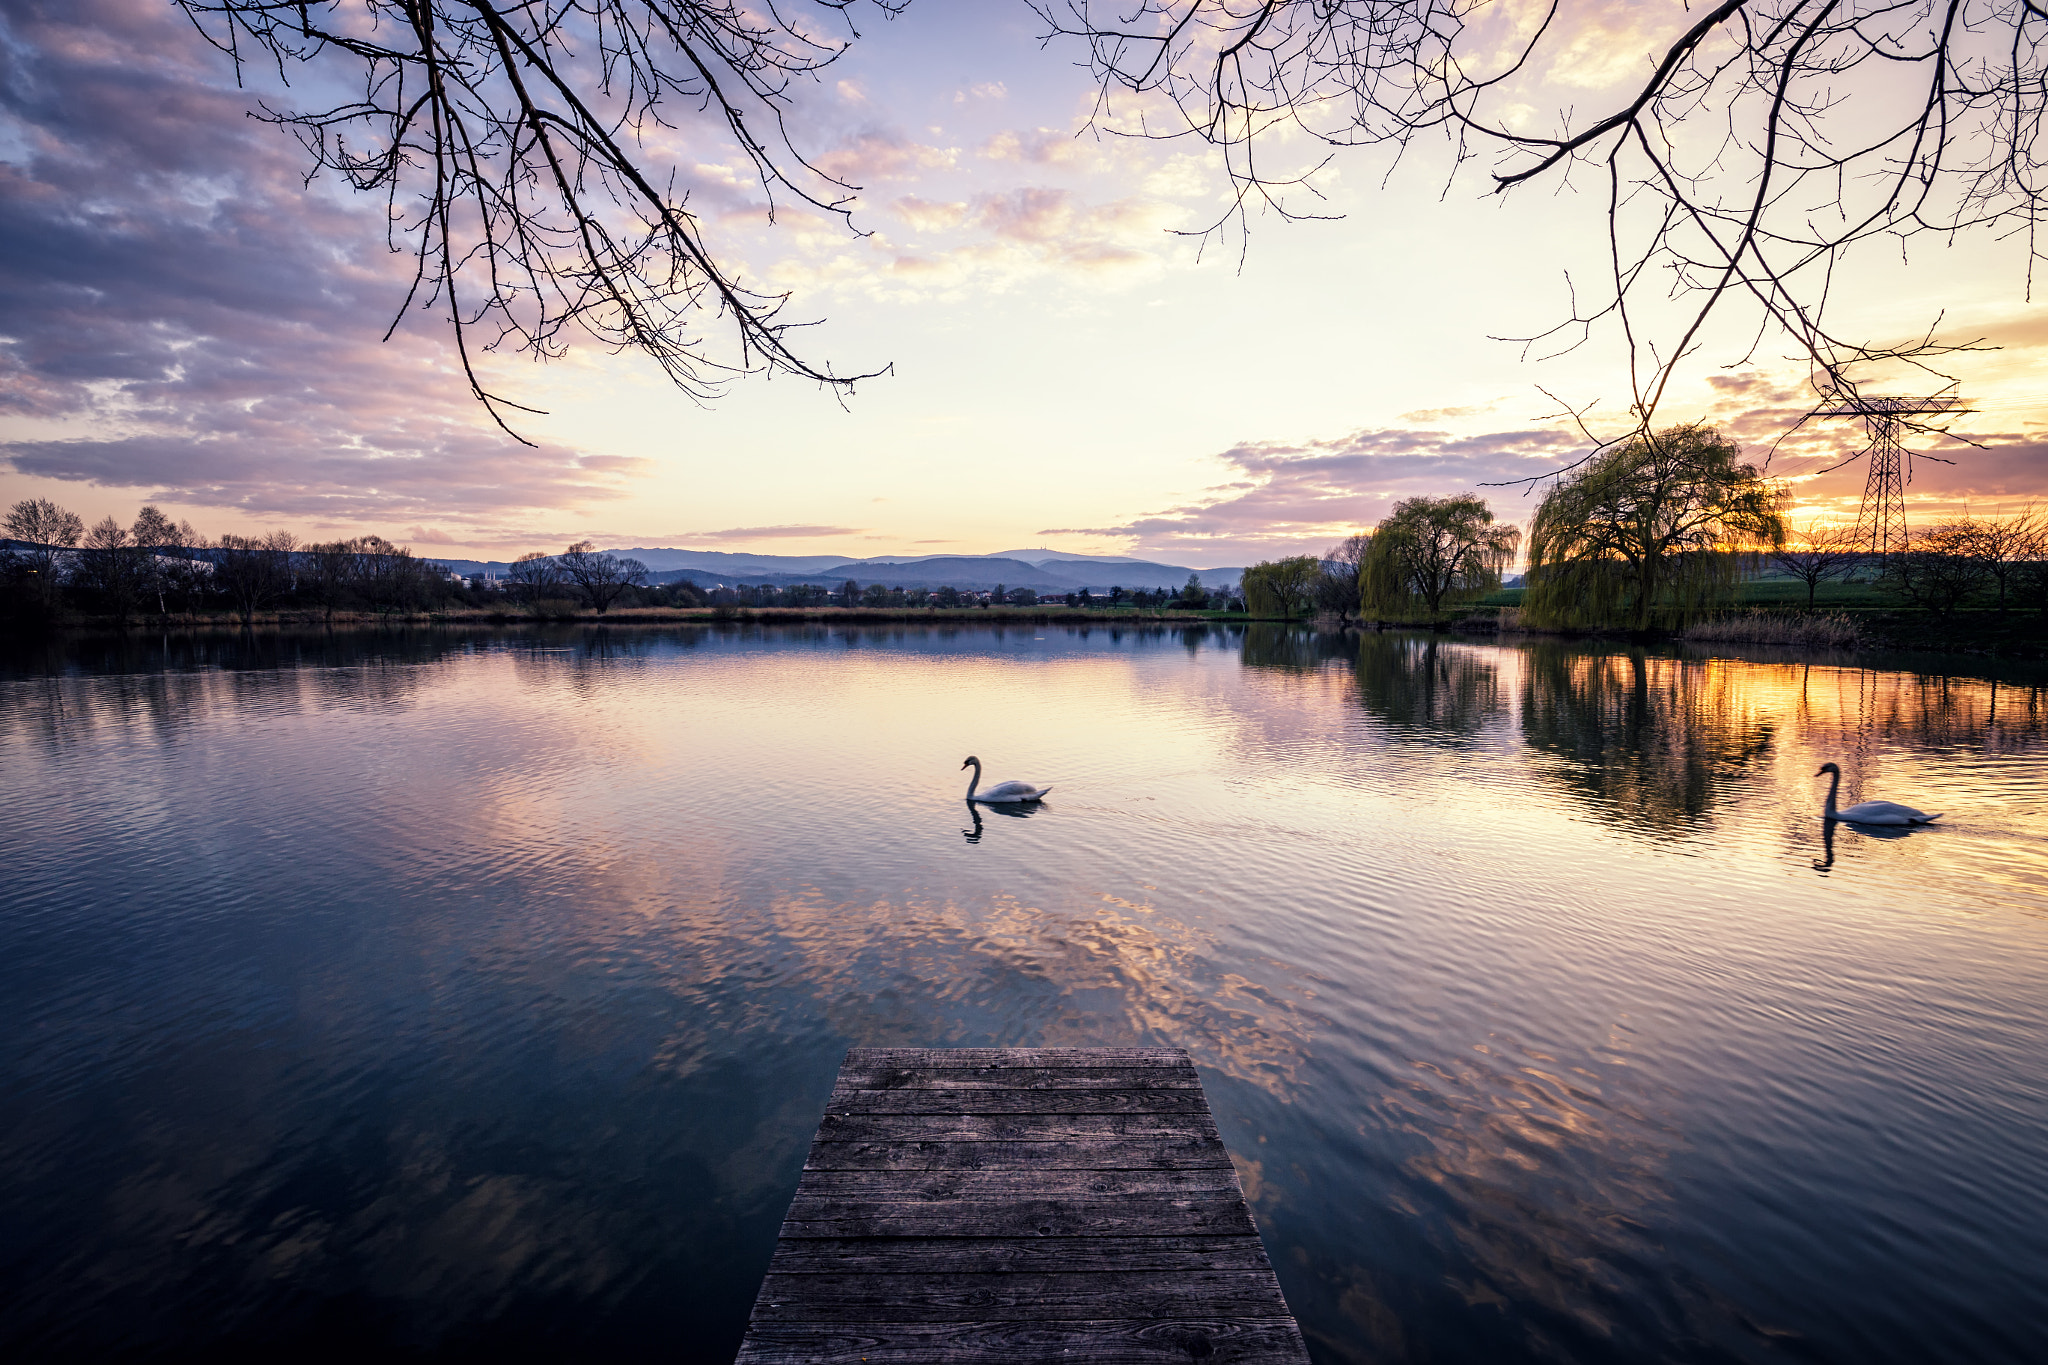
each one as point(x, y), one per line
point(1291, 648)
point(1652, 740)
point(1428, 685)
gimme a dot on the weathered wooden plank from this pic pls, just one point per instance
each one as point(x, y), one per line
point(1152, 1152)
point(1019, 1205)
point(1216, 1341)
point(1012, 1127)
point(1016, 1102)
point(882, 1186)
point(987, 1255)
point(1079, 1216)
point(1019, 1078)
point(1018, 1297)
point(1029, 1057)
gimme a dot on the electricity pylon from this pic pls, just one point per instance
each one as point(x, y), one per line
point(1881, 521)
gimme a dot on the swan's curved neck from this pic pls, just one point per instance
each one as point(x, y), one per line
point(1834, 785)
point(974, 780)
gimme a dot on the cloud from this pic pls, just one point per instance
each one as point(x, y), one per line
point(1609, 43)
point(869, 157)
point(1432, 416)
point(993, 242)
point(1298, 498)
point(453, 471)
point(2021, 331)
point(1059, 218)
point(924, 216)
point(1039, 147)
point(185, 317)
point(775, 533)
point(1817, 457)
point(1035, 215)
point(1037, 226)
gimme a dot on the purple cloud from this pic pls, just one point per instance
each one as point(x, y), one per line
point(2003, 470)
point(173, 288)
point(775, 533)
point(1297, 499)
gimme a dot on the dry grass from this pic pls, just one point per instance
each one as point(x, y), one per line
point(1829, 631)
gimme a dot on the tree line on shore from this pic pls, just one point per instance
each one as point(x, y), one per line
point(158, 568)
point(1191, 596)
point(1655, 532)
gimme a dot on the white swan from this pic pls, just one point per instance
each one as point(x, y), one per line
point(1001, 791)
point(1870, 812)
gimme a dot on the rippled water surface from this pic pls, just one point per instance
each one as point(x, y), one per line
point(458, 997)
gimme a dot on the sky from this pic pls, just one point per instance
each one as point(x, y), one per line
point(185, 321)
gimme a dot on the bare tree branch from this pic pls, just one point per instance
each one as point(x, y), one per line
point(1769, 139)
point(509, 139)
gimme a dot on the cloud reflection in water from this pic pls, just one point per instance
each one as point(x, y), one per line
point(484, 990)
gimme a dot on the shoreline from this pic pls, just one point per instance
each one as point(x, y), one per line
point(637, 616)
point(2019, 636)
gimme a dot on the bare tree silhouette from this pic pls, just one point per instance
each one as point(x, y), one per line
point(511, 142)
point(1767, 140)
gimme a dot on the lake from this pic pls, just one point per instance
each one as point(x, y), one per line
point(446, 996)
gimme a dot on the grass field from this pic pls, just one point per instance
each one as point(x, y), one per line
point(1768, 592)
point(1872, 617)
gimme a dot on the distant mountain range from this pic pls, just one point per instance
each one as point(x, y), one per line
point(1041, 570)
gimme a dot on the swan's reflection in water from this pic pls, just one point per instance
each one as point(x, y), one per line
point(1886, 832)
point(1016, 810)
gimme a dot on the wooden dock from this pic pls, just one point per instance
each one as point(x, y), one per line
point(1019, 1205)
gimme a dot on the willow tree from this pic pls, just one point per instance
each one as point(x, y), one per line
point(1661, 525)
point(1281, 587)
point(1434, 552)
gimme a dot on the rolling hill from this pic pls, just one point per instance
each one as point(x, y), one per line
point(1042, 571)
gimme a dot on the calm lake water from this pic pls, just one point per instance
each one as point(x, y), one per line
point(475, 996)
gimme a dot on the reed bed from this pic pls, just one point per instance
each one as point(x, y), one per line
point(1830, 630)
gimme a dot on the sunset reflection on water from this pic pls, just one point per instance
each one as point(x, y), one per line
point(442, 995)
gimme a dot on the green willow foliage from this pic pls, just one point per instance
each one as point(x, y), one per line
point(1656, 529)
point(1281, 588)
point(1433, 552)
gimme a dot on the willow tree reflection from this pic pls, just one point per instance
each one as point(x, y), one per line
point(1291, 648)
point(1418, 683)
point(1650, 740)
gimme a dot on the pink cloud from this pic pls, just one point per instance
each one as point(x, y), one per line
point(775, 533)
point(207, 323)
point(1040, 147)
point(2003, 469)
point(923, 215)
point(1298, 498)
point(868, 157)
